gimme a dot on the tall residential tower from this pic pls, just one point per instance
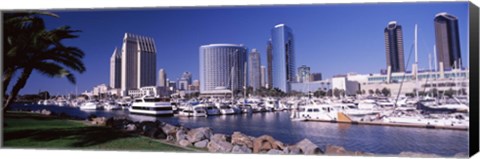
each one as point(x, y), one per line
point(394, 47)
point(138, 62)
point(116, 69)
point(254, 76)
point(282, 57)
point(447, 41)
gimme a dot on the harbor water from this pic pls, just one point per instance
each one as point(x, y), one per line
point(382, 140)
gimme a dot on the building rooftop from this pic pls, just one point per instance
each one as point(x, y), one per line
point(223, 45)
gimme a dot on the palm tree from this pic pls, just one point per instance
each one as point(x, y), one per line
point(41, 50)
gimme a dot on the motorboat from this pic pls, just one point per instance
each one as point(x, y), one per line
point(90, 105)
point(151, 106)
point(224, 108)
point(112, 106)
point(316, 111)
point(194, 111)
point(210, 108)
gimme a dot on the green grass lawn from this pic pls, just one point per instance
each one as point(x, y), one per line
point(25, 130)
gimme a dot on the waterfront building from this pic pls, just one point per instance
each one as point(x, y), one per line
point(307, 87)
point(394, 47)
point(269, 64)
point(147, 91)
point(263, 76)
point(100, 90)
point(138, 62)
point(315, 77)
point(282, 57)
point(162, 78)
point(196, 85)
point(254, 76)
point(303, 74)
point(222, 65)
point(447, 41)
point(115, 69)
point(341, 82)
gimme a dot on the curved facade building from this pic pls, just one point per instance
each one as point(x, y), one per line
point(394, 47)
point(222, 65)
point(282, 60)
point(447, 41)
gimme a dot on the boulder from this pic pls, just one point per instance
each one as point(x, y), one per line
point(275, 151)
point(155, 133)
point(218, 137)
point(461, 155)
point(100, 121)
point(336, 150)
point(241, 139)
point(201, 144)
point(292, 150)
point(169, 129)
point(130, 127)
point(146, 126)
point(241, 149)
point(417, 155)
point(199, 134)
point(170, 138)
point(280, 145)
point(264, 143)
point(184, 143)
point(181, 135)
point(308, 147)
point(219, 146)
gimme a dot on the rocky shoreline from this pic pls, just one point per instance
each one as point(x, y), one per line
point(204, 138)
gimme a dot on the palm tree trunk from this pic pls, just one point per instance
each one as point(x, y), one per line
point(22, 81)
point(7, 77)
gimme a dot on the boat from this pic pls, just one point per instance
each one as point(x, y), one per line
point(224, 108)
point(112, 106)
point(151, 106)
point(194, 111)
point(90, 105)
point(316, 111)
point(210, 108)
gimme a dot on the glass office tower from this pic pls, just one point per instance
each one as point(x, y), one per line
point(283, 57)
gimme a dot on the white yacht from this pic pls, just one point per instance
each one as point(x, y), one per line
point(224, 108)
point(210, 108)
point(90, 105)
point(112, 106)
point(315, 111)
point(195, 111)
point(151, 106)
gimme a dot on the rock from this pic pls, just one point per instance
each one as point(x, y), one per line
point(292, 150)
point(280, 145)
point(219, 146)
point(338, 150)
point(218, 137)
point(184, 143)
point(90, 117)
point(130, 127)
point(100, 121)
point(275, 151)
point(201, 144)
point(241, 149)
point(417, 155)
point(241, 139)
point(308, 147)
point(461, 155)
point(264, 143)
point(169, 129)
point(118, 122)
point(181, 135)
point(198, 134)
point(170, 138)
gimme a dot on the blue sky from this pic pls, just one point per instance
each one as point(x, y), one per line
point(331, 39)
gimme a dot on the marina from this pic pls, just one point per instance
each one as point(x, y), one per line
point(371, 137)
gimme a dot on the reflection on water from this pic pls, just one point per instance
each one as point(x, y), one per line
point(367, 138)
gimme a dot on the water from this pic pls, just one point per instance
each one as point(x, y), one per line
point(367, 138)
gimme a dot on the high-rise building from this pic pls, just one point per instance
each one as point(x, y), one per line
point(282, 58)
point(187, 76)
point(394, 47)
point(263, 76)
point(269, 82)
point(162, 78)
point(447, 41)
point(116, 69)
point(138, 62)
point(254, 69)
point(315, 77)
point(303, 74)
point(222, 66)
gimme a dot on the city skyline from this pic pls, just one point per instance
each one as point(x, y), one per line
point(314, 47)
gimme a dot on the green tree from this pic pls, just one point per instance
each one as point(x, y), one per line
point(377, 91)
point(38, 49)
point(370, 92)
point(385, 92)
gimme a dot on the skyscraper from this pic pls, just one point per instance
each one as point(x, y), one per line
point(282, 58)
point(303, 74)
point(447, 41)
point(254, 69)
point(394, 47)
point(222, 65)
point(162, 78)
point(269, 64)
point(138, 62)
point(185, 81)
point(263, 76)
point(115, 69)
point(315, 77)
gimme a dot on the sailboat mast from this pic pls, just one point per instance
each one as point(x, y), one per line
point(416, 61)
